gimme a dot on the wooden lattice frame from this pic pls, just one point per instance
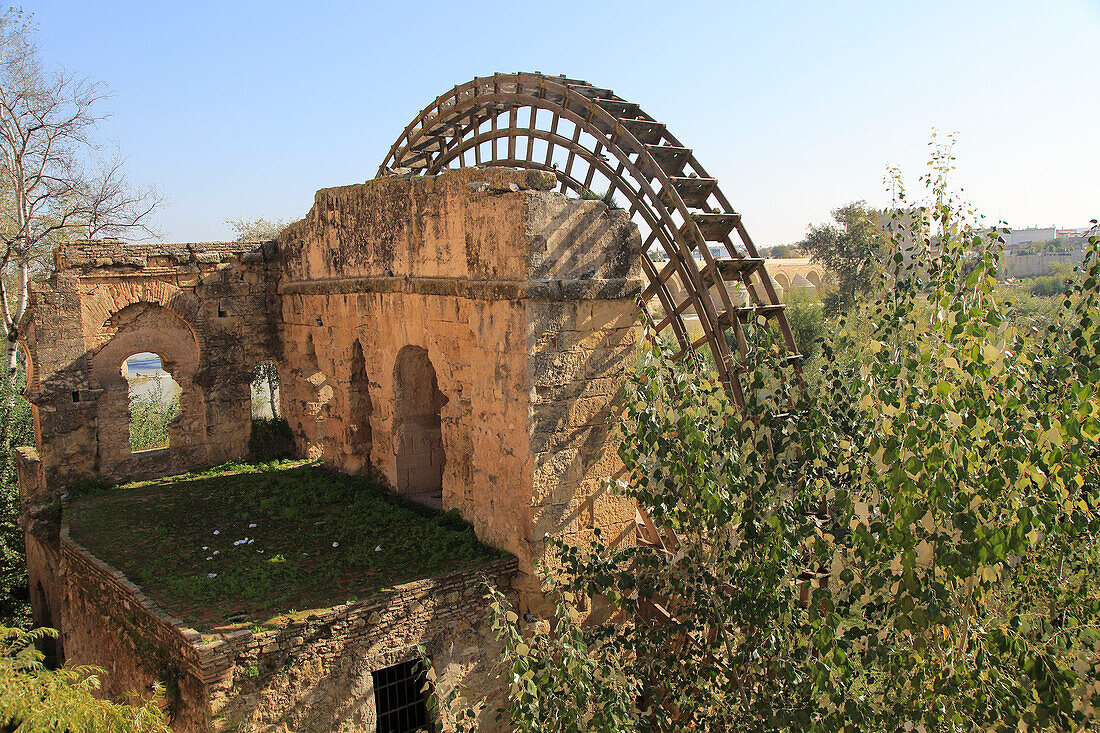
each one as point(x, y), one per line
point(586, 134)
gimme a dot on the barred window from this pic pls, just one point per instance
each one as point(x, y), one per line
point(401, 698)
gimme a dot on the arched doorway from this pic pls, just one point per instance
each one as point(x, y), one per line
point(418, 430)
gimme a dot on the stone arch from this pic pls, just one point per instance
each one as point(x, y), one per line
point(782, 281)
point(101, 307)
point(417, 426)
point(28, 365)
point(147, 327)
point(815, 279)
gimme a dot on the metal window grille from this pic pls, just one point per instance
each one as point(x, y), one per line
point(401, 699)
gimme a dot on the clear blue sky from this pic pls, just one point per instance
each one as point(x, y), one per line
point(245, 108)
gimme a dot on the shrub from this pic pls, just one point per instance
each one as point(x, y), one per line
point(806, 314)
point(151, 412)
point(270, 439)
point(34, 698)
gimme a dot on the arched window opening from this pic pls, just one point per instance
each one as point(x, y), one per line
point(154, 402)
point(265, 391)
point(418, 430)
point(359, 406)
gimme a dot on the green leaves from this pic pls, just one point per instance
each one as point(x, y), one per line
point(908, 544)
point(35, 698)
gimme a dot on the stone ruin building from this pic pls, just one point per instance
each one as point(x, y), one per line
point(456, 323)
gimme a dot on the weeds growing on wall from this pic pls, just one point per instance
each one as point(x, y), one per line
point(260, 540)
point(910, 546)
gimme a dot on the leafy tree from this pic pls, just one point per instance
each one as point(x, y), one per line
point(852, 252)
point(258, 229)
point(34, 698)
point(14, 606)
point(1056, 283)
point(56, 184)
point(558, 680)
point(806, 315)
point(911, 547)
point(780, 252)
point(266, 377)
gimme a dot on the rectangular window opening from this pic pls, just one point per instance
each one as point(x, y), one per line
point(401, 698)
point(76, 396)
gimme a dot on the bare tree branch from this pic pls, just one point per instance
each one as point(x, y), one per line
point(55, 184)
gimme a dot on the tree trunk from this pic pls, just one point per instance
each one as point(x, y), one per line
point(11, 351)
point(271, 389)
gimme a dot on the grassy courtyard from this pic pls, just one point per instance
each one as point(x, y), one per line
point(245, 544)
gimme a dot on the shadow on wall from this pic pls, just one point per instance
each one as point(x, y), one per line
point(418, 430)
point(317, 393)
point(359, 412)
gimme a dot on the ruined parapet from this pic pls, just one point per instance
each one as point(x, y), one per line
point(205, 309)
point(490, 322)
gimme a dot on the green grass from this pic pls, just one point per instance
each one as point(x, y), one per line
point(162, 535)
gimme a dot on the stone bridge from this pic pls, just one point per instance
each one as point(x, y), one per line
point(797, 273)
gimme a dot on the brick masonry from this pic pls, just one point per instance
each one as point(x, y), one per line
point(311, 675)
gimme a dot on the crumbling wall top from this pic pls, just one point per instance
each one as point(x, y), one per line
point(87, 255)
point(470, 224)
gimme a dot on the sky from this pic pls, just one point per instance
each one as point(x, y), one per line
point(244, 109)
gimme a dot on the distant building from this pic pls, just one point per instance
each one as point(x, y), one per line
point(1030, 235)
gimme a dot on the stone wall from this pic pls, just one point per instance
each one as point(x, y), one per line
point(39, 518)
point(206, 309)
point(1018, 265)
point(108, 622)
point(466, 334)
point(518, 300)
point(314, 674)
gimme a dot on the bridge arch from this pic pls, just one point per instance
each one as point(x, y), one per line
point(592, 139)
